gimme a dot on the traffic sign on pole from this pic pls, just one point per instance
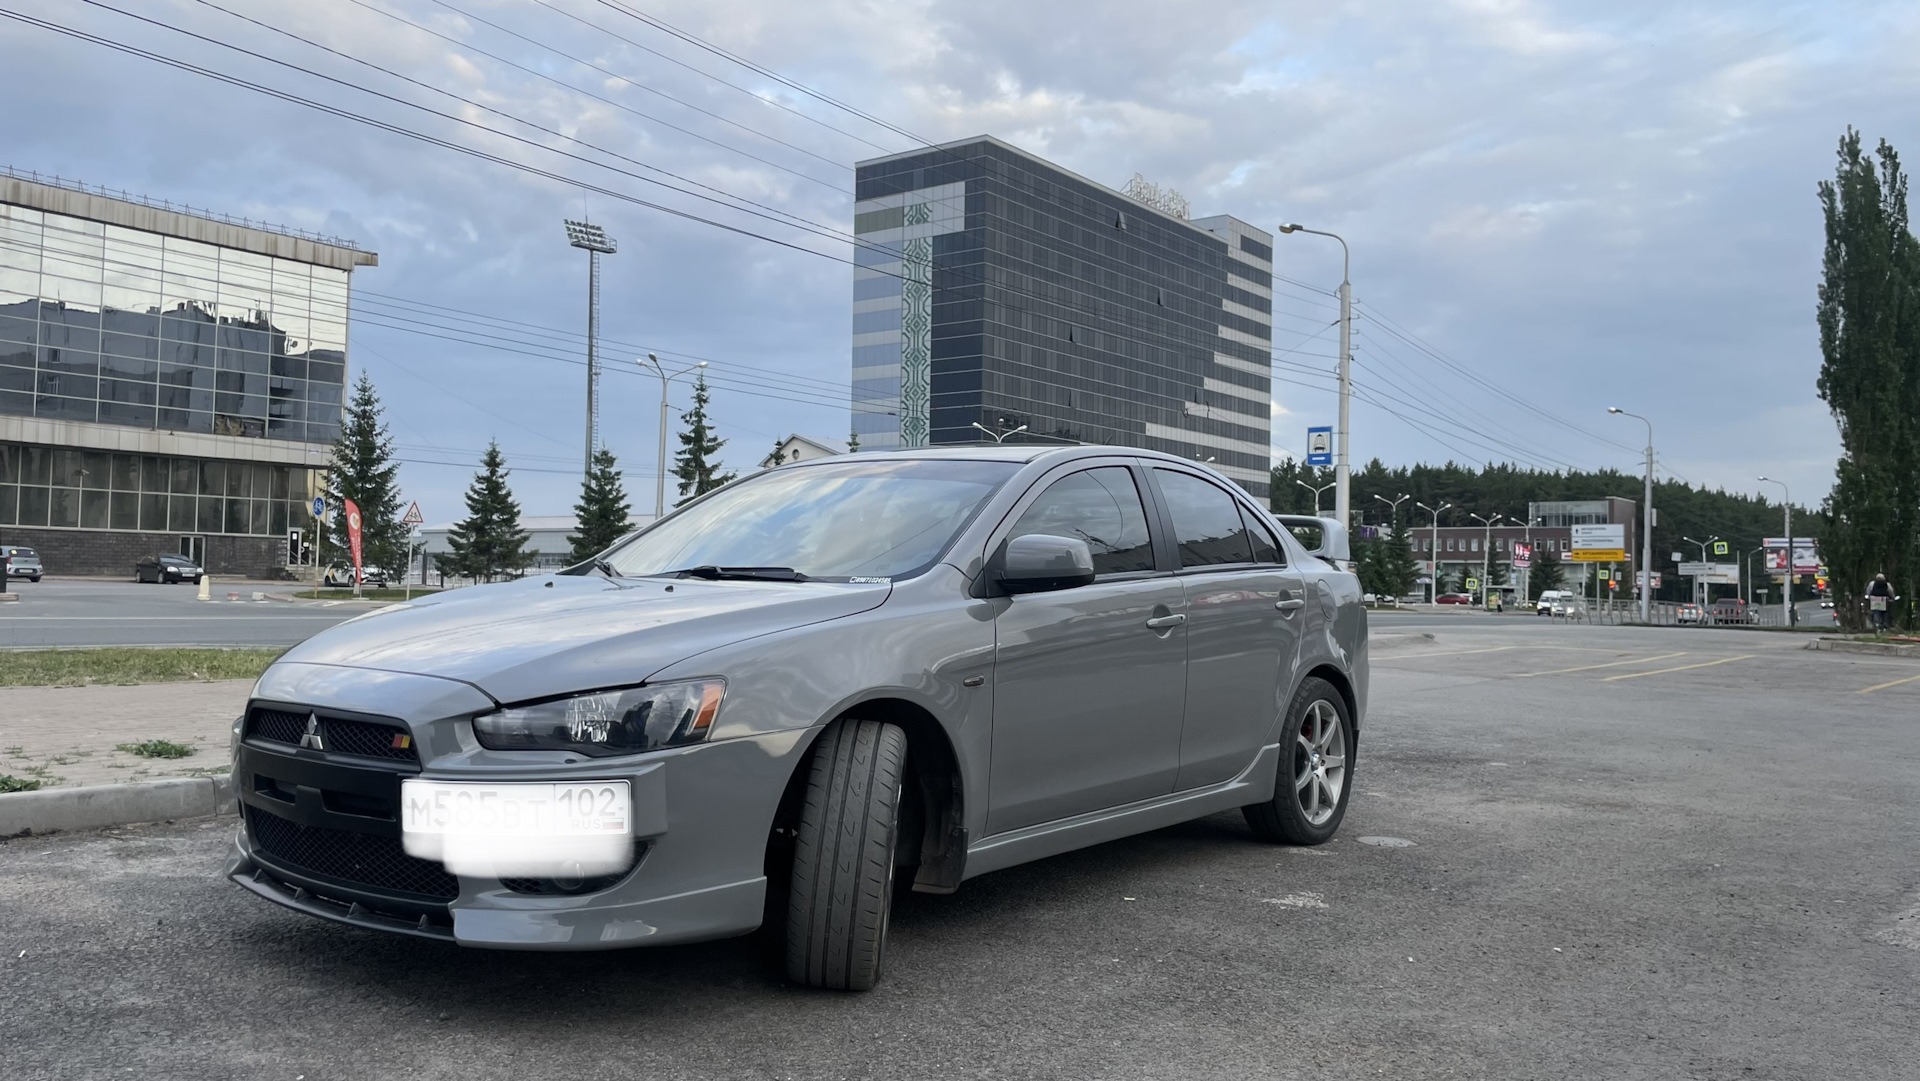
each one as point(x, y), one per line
point(319, 506)
point(1320, 446)
point(412, 516)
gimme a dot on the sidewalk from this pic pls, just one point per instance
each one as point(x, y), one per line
point(66, 736)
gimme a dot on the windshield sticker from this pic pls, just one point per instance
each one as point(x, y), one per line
point(872, 581)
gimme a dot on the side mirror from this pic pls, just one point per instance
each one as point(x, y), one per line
point(1038, 562)
point(1323, 537)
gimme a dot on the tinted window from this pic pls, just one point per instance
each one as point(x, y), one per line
point(1206, 521)
point(1265, 548)
point(1099, 506)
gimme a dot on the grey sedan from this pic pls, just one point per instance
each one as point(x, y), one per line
point(794, 696)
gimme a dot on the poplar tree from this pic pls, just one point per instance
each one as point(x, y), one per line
point(603, 509)
point(364, 470)
point(489, 542)
point(697, 464)
point(1869, 317)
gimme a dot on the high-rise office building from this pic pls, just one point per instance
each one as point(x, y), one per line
point(997, 289)
point(169, 381)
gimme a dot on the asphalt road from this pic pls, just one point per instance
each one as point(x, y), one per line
point(1636, 854)
point(80, 612)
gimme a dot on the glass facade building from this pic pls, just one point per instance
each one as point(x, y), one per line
point(997, 289)
point(166, 379)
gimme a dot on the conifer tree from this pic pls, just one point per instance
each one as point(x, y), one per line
point(489, 542)
point(603, 509)
point(697, 465)
point(1869, 316)
point(1398, 571)
point(1545, 574)
point(364, 470)
point(853, 441)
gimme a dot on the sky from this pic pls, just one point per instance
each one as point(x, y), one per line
point(1552, 207)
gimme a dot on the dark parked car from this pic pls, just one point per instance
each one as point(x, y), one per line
point(802, 690)
point(22, 563)
point(165, 569)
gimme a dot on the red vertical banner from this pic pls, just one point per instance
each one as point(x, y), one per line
point(353, 538)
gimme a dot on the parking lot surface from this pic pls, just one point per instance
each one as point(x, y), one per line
point(92, 612)
point(1573, 852)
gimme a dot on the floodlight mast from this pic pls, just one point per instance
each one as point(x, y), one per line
point(594, 240)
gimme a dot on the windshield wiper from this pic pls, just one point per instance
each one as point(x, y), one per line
point(756, 574)
point(605, 568)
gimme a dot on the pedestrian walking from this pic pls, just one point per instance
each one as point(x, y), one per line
point(1879, 601)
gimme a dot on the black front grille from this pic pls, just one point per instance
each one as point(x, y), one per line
point(363, 858)
point(341, 736)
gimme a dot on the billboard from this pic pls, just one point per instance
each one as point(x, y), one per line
point(1600, 543)
point(1806, 555)
point(1522, 555)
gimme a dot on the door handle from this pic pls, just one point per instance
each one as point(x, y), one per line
point(1161, 623)
point(1289, 601)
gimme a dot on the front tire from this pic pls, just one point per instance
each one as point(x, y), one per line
point(1317, 747)
point(841, 896)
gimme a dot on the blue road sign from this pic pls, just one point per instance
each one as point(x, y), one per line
point(1320, 446)
point(319, 506)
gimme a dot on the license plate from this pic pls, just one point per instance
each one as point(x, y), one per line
point(461, 808)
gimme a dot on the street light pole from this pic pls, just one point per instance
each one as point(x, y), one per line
point(1486, 553)
point(1433, 573)
point(595, 242)
point(1342, 494)
point(1746, 567)
point(1700, 588)
point(1002, 436)
point(1316, 494)
point(1786, 513)
point(660, 482)
point(1646, 524)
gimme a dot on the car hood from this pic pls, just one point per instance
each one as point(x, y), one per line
point(553, 635)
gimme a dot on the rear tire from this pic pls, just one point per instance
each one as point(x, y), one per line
point(841, 896)
point(1317, 747)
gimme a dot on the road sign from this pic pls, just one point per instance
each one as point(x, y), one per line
point(1678, 556)
point(1602, 536)
point(1694, 569)
point(319, 506)
point(1719, 548)
point(412, 516)
point(1640, 578)
point(1319, 446)
point(1598, 555)
point(1604, 573)
point(1473, 584)
point(1522, 555)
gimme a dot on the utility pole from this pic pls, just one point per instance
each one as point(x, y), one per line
point(1433, 572)
point(660, 481)
point(1646, 524)
point(1342, 493)
point(1316, 494)
point(594, 241)
point(1786, 513)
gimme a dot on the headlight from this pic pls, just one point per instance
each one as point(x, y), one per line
point(608, 722)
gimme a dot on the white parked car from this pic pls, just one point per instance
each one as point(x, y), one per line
point(1544, 606)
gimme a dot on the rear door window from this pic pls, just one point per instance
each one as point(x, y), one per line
point(1206, 521)
point(1100, 506)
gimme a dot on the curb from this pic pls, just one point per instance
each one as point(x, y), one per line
point(55, 810)
point(1883, 649)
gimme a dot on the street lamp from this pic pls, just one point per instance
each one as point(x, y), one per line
point(1486, 553)
point(595, 242)
point(1646, 523)
point(660, 482)
point(1786, 512)
point(1342, 495)
point(1002, 436)
point(1700, 590)
point(1433, 570)
point(1316, 494)
point(1747, 568)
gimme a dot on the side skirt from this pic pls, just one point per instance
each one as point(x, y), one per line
point(1253, 785)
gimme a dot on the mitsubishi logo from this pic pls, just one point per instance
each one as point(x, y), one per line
point(313, 739)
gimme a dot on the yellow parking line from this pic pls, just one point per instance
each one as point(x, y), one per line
point(1613, 664)
point(1682, 668)
point(1884, 686)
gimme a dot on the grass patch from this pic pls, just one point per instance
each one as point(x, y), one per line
point(157, 748)
point(368, 594)
point(84, 667)
point(10, 783)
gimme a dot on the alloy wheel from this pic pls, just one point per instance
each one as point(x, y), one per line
point(1320, 762)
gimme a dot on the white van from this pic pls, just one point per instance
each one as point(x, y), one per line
point(1547, 596)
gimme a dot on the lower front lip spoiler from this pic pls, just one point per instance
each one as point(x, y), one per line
point(261, 882)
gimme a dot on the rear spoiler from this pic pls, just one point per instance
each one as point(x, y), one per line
point(1323, 537)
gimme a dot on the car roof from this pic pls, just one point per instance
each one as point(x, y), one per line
point(999, 452)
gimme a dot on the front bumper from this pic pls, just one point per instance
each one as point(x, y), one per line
point(320, 834)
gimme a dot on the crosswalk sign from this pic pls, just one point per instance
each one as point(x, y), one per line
point(1473, 583)
point(1719, 548)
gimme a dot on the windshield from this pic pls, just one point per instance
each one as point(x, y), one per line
point(851, 519)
